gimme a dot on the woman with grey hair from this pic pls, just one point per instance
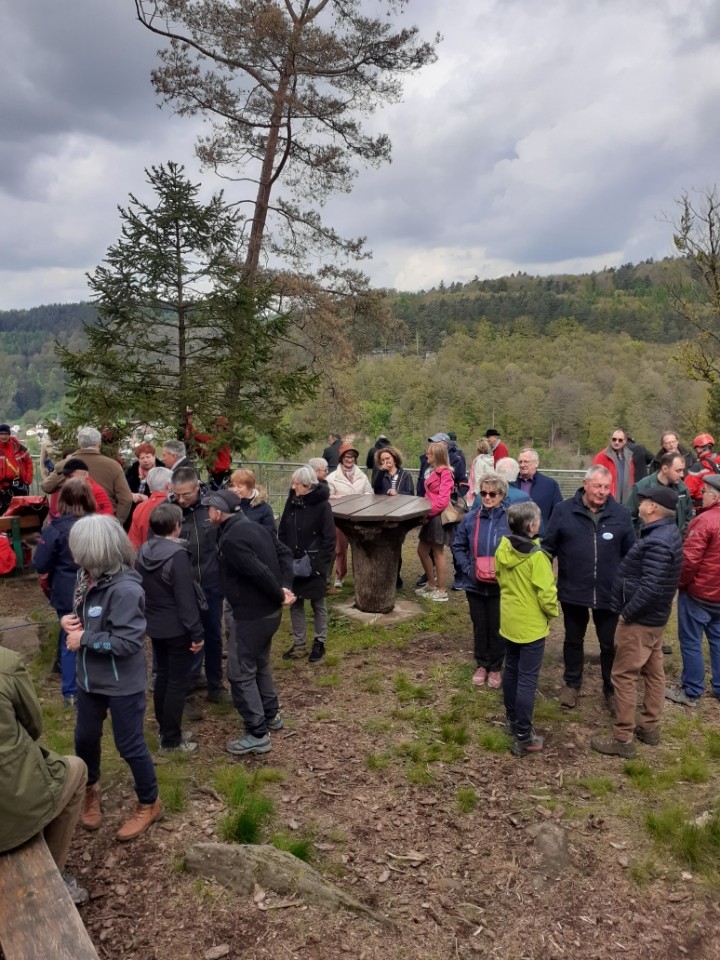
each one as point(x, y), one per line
point(107, 631)
point(307, 527)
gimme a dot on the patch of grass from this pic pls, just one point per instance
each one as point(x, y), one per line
point(332, 659)
point(377, 761)
point(378, 725)
point(691, 767)
point(694, 768)
point(372, 683)
point(696, 846)
point(267, 775)
point(406, 691)
point(419, 775)
point(328, 679)
point(467, 799)
point(599, 786)
point(454, 733)
point(244, 824)
point(324, 715)
point(642, 872)
point(712, 744)
point(494, 740)
point(174, 797)
point(550, 711)
point(300, 847)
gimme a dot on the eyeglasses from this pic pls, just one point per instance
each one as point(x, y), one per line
point(186, 494)
point(617, 439)
point(490, 494)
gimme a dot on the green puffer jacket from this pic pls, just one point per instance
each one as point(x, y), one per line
point(528, 595)
point(31, 778)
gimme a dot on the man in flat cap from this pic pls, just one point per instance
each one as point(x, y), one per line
point(642, 595)
point(699, 600)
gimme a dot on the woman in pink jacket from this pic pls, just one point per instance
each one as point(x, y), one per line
point(439, 485)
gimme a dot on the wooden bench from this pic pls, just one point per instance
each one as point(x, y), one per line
point(38, 919)
point(21, 529)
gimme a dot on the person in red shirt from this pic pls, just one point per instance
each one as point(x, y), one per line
point(75, 467)
point(159, 483)
point(497, 447)
point(707, 464)
point(16, 468)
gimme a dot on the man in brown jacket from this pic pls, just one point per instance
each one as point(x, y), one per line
point(105, 471)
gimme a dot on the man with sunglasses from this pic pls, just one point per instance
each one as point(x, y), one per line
point(618, 459)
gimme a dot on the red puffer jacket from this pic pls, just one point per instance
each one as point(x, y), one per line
point(700, 575)
point(708, 464)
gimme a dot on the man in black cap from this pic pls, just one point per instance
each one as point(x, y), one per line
point(699, 600)
point(257, 574)
point(499, 450)
point(642, 594)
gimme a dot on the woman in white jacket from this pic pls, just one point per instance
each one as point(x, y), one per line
point(346, 480)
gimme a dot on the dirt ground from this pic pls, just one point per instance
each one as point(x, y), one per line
point(545, 866)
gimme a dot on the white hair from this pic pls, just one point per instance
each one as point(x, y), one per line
point(306, 475)
point(175, 446)
point(159, 478)
point(100, 546)
point(508, 468)
point(597, 469)
point(88, 437)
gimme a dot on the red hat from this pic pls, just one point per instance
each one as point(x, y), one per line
point(348, 448)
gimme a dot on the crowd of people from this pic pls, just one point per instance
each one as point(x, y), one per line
point(154, 552)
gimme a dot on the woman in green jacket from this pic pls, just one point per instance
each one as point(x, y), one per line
point(39, 789)
point(528, 601)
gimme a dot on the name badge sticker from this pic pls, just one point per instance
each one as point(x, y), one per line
point(94, 611)
point(606, 536)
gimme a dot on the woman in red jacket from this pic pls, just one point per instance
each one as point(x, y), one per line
point(439, 485)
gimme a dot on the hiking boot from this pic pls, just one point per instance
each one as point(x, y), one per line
point(79, 894)
point(494, 679)
point(296, 650)
point(276, 723)
point(614, 748)
point(439, 596)
point(421, 581)
point(249, 744)
point(192, 711)
point(678, 695)
point(610, 704)
point(568, 697)
point(509, 727)
point(522, 746)
point(650, 737)
point(91, 815)
point(186, 747)
point(317, 652)
point(218, 695)
point(145, 815)
point(479, 677)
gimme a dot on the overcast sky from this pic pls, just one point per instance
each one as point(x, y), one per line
point(550, 136)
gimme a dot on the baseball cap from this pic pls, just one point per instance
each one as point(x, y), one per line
point(665, 496)
point(224, 500)
point(439, 438)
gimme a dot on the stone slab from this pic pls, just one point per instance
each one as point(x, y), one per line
point(403, 610)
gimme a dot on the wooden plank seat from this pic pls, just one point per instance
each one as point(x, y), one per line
point(38, 919)
point(22, 528)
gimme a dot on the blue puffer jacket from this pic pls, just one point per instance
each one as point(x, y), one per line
point(588, 554)
point(52, 555)
point(648, 577)
point(111, 658)
point(492, 528)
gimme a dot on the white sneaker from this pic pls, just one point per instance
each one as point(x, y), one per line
point(425, 591)
point(439, 596)
point(338, 584)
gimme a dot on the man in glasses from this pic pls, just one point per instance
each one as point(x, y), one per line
point(201, 540)
point(589, 534)
point(618, 459)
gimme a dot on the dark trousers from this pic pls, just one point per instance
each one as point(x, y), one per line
point(520, 680)
point(485, 615)
point(127, 715)
point(576, 620)
point(212, 651)
point(174, 662)
point(248, 666)
point(67, 661)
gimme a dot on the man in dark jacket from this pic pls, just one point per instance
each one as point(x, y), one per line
point(642, 595)
point(699, 600)
point(542, 490)
point(331, 453)
point(256, 575)
point(669, 474)
point(173, 622)
point(201, 539)
point(589, 534)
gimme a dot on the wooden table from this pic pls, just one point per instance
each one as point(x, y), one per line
point(376, 527)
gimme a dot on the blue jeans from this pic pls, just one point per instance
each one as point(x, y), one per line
point(127, 714)
point(693, 621)
point(67, 662)
point(212, 651)
point(520, 679)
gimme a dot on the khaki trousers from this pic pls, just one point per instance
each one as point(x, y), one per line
point(638, 653)
point(59, 832)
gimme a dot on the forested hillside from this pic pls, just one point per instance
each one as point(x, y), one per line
point(554, 360)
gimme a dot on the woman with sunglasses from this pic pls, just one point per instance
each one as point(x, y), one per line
point(476, 541)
